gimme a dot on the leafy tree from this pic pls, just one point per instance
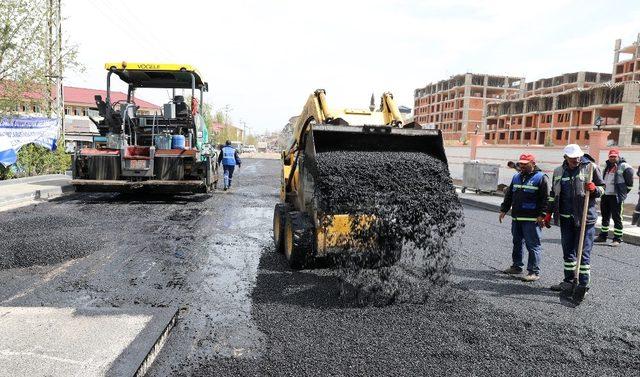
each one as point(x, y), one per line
point(26, 66)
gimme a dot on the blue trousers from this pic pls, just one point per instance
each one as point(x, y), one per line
point(570, 237)
point(228, 174)
point(526, 233)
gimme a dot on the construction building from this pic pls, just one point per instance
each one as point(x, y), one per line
point(567, 117)
point(562, 83)
point(456, 106)
point(626, 61)
point(562, 109)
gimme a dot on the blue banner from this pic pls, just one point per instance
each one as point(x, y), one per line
point(18, 131)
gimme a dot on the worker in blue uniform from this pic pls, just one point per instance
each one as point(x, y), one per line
point(229, 158)
point(527, 198)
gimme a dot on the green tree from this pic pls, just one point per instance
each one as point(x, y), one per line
point(27, 65)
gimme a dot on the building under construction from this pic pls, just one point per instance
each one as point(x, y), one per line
point(456, 106)
point(567, 117)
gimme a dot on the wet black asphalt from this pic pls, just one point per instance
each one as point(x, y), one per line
point(244, 313)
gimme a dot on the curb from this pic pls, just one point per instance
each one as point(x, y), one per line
point(627, 238)
point(35, 178)
point(46, 194)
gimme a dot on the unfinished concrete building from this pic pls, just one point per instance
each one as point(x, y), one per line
point(567, 117)
point(456, 106)
point(567, 81)
point(626, 61)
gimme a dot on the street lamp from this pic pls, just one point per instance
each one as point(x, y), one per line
point(598, 122)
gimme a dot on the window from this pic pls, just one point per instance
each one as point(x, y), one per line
point(577, 135)
point(566, 135)
point(549, 118)
point(502, 135)
point(559, 134)
point(527, 135)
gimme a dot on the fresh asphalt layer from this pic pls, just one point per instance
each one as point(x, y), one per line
point(243, 312)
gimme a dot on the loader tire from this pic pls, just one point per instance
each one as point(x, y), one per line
point(279, 213)
point(299, 240)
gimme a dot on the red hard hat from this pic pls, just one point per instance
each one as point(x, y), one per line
point(614, 152)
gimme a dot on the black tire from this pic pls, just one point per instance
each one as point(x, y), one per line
point(299, 240)
point(279, 213)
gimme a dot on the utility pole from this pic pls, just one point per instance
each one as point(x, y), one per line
point(54, 62)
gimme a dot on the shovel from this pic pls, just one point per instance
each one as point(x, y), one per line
point(577, 295)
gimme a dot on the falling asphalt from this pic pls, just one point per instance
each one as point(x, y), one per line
point(243, 312)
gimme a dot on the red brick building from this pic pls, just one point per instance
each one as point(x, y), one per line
point(456, 106)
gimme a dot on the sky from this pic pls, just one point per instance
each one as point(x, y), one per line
point(262, 59)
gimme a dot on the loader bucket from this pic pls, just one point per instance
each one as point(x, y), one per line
point(378, 138)
point(336, 226)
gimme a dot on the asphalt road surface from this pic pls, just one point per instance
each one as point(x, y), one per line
point(243, 312)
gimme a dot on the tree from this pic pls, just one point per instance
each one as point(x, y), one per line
point(30, 56)
point(25, 62)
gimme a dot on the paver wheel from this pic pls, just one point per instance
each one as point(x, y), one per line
point(299, 240)
point(279, 213)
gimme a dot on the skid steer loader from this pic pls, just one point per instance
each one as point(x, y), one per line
point(301, 229)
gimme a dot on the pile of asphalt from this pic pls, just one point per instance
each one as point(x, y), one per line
point(416, 210)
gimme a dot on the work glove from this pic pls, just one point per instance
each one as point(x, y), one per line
point(590, 186)
point(547, 220)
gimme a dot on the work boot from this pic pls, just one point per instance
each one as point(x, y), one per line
point(530, 278)
point(563, 286)
point(634, 219)
point(225, 188)
point(579, 293)
point(602, 238)
point(513, 270)
point(616, 242)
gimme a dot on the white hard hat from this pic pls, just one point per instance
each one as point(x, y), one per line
point(573, 151)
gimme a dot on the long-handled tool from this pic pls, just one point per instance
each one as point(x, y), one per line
point(583, 227)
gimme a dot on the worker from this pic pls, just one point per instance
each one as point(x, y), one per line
point(635, 220)
point(527, 197)
point(570, 183)
point(229, 158)
point(618, 180)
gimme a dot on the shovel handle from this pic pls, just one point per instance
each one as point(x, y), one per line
point(583, 226)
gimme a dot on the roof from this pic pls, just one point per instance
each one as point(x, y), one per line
point(157, 75)
point(81, 96)
point(85, 96)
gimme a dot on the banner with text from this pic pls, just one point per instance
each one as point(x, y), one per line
point(18, 131)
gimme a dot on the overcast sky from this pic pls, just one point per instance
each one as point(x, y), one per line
point(263, 58)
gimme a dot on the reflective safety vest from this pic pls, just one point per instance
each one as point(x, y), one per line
point(525, 196)
point(228, 156)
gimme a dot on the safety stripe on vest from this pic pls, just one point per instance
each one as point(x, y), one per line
point(601, 189)
point(629, 187)
point(552, 199)
point(525, 219)
point(566, 216)
point(525, 187)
